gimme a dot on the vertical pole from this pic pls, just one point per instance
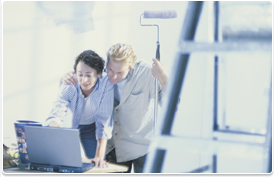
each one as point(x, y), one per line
point(216, 73)
point(214, 164)
point(216, 67)
point(156, 88)
point(216, 14)
point(158, 161)
point(215, 111)
point(268, 143)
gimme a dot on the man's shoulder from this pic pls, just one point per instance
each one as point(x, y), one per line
point(144, 64)
point(142, 69)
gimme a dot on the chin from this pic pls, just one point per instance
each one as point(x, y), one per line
point(114, 82)
point(86, 88)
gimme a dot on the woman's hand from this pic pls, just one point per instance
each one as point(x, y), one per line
point(69, 78)
point(55, 124)
point(99, 162)
point(100, 154)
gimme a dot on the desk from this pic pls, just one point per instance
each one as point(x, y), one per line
point(112, 168)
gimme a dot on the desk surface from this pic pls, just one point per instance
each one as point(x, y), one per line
point(110, 169)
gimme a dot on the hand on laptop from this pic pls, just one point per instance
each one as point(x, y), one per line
point(54, 124)
point(99, 162)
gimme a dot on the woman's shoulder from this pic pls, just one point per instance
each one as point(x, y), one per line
point(68, 89)
point(68, 86)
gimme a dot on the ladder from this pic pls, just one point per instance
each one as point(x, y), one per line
point(163, 139)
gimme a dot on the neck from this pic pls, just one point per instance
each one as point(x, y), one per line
point(86, 93)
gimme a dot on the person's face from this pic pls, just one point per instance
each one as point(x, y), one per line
point(117, 71)
point(86, 76)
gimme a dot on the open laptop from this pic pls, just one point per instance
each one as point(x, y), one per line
point(55, 149)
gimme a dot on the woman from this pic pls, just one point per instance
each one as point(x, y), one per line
point(88, 106)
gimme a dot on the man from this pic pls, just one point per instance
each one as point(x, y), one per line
point(133, 104)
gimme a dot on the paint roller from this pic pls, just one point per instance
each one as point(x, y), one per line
point(160, 14)
point(157, 14)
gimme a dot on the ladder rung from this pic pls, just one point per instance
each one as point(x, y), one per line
point(209, 146)
point(236, 46)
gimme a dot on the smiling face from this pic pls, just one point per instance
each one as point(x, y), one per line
point(117, 71)
point(86, 77)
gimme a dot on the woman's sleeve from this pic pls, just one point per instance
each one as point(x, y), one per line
point(60, 106)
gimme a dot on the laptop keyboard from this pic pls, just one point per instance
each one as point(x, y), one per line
point(87, 166)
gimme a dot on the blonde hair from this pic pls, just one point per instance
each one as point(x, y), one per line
point(122, 53)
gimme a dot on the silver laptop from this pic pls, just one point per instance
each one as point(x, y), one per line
point(55, 149)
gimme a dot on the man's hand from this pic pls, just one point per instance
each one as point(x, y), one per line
point(55, 124)
point(159, 72)
point(69, 78)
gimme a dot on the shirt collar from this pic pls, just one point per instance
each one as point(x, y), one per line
point(123, 81)
point(130, 74)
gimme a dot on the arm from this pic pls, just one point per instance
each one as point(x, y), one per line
point(159, 72)
point(69, 78)
point(60, 107)
point(104, 119)
point(100, 154)
point(104, 125)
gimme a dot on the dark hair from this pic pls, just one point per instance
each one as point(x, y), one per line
point(91, 59)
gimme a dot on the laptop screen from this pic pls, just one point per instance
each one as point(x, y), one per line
point(53, 146)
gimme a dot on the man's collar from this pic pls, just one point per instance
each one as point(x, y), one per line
point(131, 73)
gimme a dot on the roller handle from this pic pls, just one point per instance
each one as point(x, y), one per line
point(157, 52)
point(156, 91)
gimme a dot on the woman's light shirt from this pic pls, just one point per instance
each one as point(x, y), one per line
point(86, 115)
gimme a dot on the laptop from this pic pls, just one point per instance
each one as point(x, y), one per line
point(55, 150)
